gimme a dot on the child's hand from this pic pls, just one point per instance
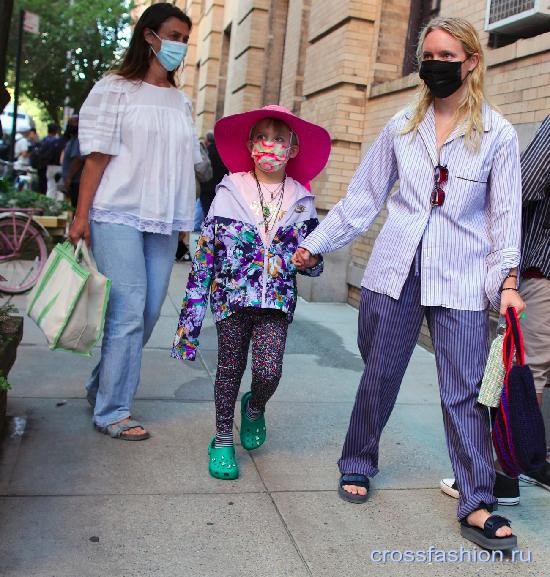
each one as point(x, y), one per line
point(303, 259)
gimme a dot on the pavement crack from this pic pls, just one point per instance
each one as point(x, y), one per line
point(281, 517)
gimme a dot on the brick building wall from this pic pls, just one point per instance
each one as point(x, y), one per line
point(392, 23)
point(294, 58)
point(341, 65)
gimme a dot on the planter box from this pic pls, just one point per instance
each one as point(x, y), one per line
point(50, 221)
point(3, 409)
point(56, 225)
point(11, 333)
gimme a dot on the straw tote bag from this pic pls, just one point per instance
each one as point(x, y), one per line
point(493, 377)
point(70, 299)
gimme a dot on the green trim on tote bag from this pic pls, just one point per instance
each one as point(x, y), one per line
point(62, 253)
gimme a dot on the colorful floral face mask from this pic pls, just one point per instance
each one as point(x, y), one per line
point(270, 156)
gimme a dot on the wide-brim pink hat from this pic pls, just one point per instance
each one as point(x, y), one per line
point(232, 134)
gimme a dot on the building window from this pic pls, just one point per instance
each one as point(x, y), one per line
point(500, 9)
point(509, 20)
point(422, 11)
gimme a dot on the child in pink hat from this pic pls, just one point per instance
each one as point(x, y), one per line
point(261, 213)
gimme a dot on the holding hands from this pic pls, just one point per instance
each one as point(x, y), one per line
point(303, 259)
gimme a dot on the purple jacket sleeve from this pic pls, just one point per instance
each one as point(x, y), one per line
point(194, 303)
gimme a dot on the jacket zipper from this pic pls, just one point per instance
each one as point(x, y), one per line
point(266, 248)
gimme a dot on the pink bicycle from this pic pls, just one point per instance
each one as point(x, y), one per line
point(23, 249)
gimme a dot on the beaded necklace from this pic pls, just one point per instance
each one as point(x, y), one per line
point(268, 214)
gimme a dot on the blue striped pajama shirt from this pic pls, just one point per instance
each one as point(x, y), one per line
point(445, 263)
point(468, 245)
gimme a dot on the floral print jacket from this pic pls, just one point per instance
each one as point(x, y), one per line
point(233, 266)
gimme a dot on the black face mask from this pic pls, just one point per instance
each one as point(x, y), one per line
point(442, 77)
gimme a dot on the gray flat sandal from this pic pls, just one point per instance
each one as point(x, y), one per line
point(116, 430)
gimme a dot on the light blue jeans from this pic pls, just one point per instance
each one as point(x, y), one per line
point(199, 216)
point(139, 265)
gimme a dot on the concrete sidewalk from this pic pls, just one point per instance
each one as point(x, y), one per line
point(75, 503)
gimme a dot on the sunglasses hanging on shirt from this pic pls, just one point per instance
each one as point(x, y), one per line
point(441, 175)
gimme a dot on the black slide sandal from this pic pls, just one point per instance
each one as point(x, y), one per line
point(486, 537)
point(358, 481)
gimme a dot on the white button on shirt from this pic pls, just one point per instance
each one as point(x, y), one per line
point(148, 130)
point(468, 245)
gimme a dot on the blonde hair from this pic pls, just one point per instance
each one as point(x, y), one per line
point(470, 106)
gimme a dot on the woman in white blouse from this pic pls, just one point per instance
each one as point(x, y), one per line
point(137, 192)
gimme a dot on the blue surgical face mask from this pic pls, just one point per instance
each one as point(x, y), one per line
point(171, 53)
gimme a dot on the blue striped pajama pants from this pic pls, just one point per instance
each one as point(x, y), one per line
point(388, 331)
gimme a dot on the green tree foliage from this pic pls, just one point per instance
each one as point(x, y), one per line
point(79, 41)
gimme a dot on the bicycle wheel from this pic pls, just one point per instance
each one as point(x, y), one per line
point(23, 254)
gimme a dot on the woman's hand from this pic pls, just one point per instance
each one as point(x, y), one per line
point(511, 298)
point(303, 259)
point(509, 295)
point(80, 228)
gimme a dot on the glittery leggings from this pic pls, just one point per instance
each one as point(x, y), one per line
point(267, 329)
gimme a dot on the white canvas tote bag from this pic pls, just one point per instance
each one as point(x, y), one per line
point(70, 299)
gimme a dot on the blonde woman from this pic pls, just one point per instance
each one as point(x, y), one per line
point(448, 249)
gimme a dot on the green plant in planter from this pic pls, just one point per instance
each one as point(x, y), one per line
point(6, 312)
point(5, 186)
point(12, 198)
point(4, 384)
point(11, 333)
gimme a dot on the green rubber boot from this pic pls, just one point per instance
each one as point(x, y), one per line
point(221, 462)
point(253, 433)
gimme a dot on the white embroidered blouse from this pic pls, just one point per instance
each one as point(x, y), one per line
point(148, 130)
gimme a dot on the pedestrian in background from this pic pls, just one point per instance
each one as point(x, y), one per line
point(203, 172)
point(22, 149)
point(449, 247)
point(208, 188)
point(73, 162)
point(535, 270)
point(45, 158)
point(53, 168)
point(25, 142)
point(137, 192)
point(535, 291)
point(535, 257)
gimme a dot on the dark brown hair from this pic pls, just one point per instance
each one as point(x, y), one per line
point(136, 60)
